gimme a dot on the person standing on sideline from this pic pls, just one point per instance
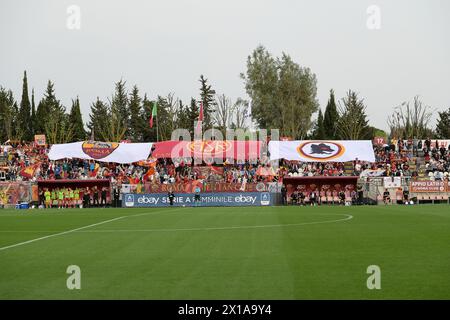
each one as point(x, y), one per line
point(342, 197)
point(313, 198)
point(76, 198)
point(42, 200)
point(60, 198)
point(386, 196)
point(103, 197)
point(54, 198)
point(171, 197)
point(86, 198)
point(283, 195)
point(95, 197)
point(71, 198)
point(360, 195)
point(197, 196)
point(116, 196)
point(48, 200)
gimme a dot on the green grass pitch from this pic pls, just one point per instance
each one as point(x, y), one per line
point(227, 253)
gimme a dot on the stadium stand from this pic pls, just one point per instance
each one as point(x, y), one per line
point(30, 163)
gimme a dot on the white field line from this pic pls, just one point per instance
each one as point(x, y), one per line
point(58, 234)
point(75, 230)
point(82, 229)
point(348, 217)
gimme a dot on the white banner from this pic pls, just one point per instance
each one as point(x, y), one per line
point(392, 182)
point(441, 143)
point(322, 150)
point(101, 151)
point(372, 173)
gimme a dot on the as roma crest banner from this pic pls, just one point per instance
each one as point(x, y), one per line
point(322, 150)
point(101, 151)
point(238, 150)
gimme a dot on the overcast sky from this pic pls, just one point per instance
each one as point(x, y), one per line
point(164, 46)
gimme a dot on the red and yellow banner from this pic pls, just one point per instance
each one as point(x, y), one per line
point(190, 186)
point(205, 171)
point(238, 150)
point(150, 162)
point(28, 172)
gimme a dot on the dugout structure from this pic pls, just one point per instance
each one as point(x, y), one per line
point(327, 187)
point(80, 184)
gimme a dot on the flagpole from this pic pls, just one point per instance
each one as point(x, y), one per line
point(157, 125)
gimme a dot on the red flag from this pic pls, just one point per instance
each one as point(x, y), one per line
point(28, 172)
point(200, 117)
point(151, 171)
point(154, 114)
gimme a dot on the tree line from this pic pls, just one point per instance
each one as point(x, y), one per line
point(282, 95)
point(123, 116)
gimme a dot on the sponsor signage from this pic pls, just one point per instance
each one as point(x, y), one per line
point(131, 200)
point(428, 186)
point(206, 187)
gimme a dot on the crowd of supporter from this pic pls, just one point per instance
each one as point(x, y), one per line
point(393, 159)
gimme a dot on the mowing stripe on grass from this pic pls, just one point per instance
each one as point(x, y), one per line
point(348, 217)
point(59, 234)
point(77, 229)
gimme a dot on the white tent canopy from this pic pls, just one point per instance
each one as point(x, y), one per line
point(101, 151)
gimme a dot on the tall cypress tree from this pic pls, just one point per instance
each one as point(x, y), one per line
point(7, 114)
point(136, 119)
point(41, 115)
point(119, 107)
point(209, 103)
point(183, 117)
point(319, 132)
point(44, 108)
point(353, 122)
point(17, 130)
point(193, 112)
point(54, 121)
point(331, 118)
point(443, 125)
point(33, 113)
point(24, 117)
point(98, 123)
point(76, 121)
